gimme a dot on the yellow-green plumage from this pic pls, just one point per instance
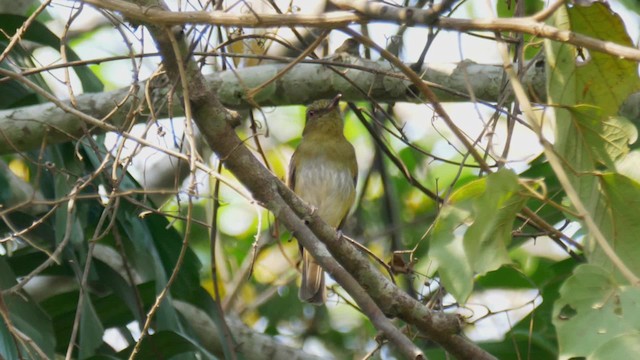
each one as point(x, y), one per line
point(323, 172)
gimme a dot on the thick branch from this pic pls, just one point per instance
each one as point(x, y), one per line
point(251, 344)
point(25, 128)
point(211, 118)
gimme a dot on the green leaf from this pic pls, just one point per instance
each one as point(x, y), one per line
point(61, 308)
point(7, 342)
point(491, 204)
point(592, 310)
point(111, 279)
point(26, 317)
point(602, 81)
point(625, 346)
point(630, 165)
point(581, 77)
point(91, 329)
point(619, 223)
point(540, 169)
point(40, 235)
point(487, 238)
point(506, 8)
point(606, 139)
point(588, 135)
point(506, 277)
point(5, 189)
point(446, 248)
point(14, 94)
point(167, 343)
point(619, 133)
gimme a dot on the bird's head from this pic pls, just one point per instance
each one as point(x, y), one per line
point(322, 114)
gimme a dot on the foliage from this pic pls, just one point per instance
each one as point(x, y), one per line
point(90, 256)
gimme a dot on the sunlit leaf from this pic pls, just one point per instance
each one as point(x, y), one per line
point(588, 135)
point(625, 346)
point(593, 310)
point(620, 223)
point(474, 229)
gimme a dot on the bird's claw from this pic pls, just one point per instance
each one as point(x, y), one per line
point(307, 219)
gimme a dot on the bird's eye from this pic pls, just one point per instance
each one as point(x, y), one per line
point(311, 113)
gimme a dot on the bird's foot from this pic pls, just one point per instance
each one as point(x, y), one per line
point(307, 218)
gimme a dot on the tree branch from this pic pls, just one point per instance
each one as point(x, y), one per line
point(251, 344)
point(212, 120)
point(367, 11)
point(24, 128)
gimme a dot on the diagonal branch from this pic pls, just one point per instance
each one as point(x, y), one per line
point(212, 119)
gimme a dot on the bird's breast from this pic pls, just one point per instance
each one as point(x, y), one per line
point(328, 186)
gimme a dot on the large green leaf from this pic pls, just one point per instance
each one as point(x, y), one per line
point(490, 205)
point(575, 77)
point(581, 77)
point(619, 223)
point(587, 92)
point(487, 238)
point(625, 346)
point(447, 253)
point(25, 317)
point(607, 138)
point(167, 344)
point(91, 329)
point(153, 246)
point(593, 312)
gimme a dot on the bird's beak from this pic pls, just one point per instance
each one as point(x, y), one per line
point(335, 101)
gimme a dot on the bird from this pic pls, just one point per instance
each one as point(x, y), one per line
point(323, 172)
point(350, 46)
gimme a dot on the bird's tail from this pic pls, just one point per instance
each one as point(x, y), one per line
point(312, 288)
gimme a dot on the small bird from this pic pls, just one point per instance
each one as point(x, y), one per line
point(323, 172)
point(350, 46)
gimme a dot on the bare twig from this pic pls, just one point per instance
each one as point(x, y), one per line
point(369, 11)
